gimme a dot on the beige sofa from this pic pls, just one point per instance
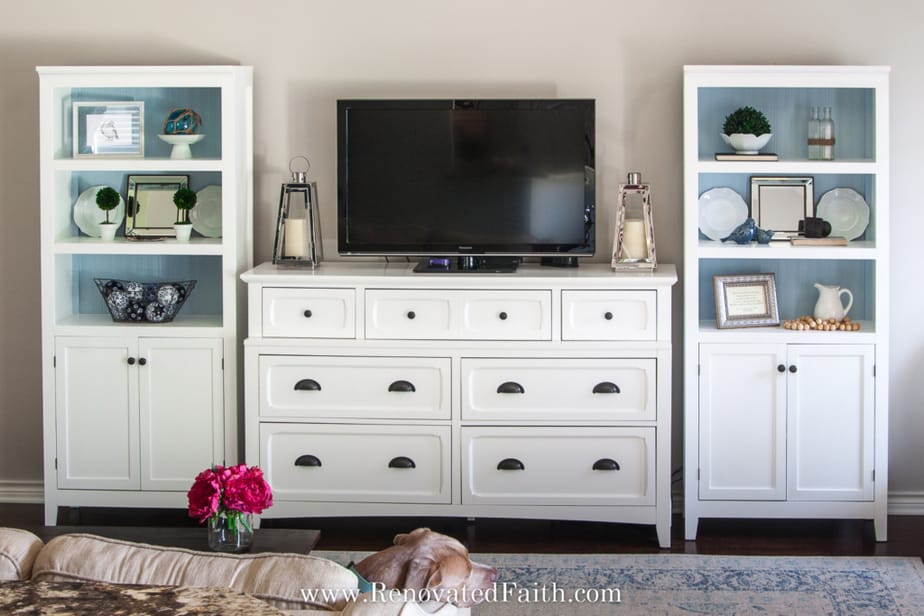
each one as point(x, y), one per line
point(279, 581)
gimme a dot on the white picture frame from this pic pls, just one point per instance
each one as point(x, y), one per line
point(779, 203)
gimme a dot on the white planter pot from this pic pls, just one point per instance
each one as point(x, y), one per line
point(107, 231)
point(183, 231)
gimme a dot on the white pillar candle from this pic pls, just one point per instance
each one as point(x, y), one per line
point(634, 245)
point(296, 234)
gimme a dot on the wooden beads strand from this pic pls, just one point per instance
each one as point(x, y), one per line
point(808, 322)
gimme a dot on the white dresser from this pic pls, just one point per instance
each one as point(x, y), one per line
point(373, 390)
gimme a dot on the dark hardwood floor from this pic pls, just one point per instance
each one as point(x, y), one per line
point(740, 537)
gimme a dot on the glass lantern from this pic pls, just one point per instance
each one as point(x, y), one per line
point(633, 241)
point(298, 225)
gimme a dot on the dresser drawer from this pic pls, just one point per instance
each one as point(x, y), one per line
point(399, 314)
point(309, 313)
point(316, 387)
point(385, 464)
point(608, 315)
point(566, 390)
point(558, 466)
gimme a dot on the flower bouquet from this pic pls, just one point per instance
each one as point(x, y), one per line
point(227, 497)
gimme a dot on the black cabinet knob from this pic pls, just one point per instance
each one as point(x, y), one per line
point(307, 385)
point(781, 368)
point(502, 316)
point(606, 388)
point(410, 314)
point(608, 316)
point(131, 361)
point(606, 464)
point(307, 460)
point(142, 361)
point(402, 386)
point(793, 368)
point(510, 388)
point(510, 464)
point(401, 462)
point(307, 314)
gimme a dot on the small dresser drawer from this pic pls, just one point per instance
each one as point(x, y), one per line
point(558, 466)
point(316, 387)
point(565, 390)
point(608, 315)
point(384, 464)
point(309, 313)
point(398, 314)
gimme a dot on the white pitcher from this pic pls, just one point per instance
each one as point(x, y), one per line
point(829, 304)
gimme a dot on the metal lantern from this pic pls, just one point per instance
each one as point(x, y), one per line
point(298, 226)
point(633, 241)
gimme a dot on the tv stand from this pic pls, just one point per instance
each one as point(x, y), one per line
point(468, 264)
point(543, 394)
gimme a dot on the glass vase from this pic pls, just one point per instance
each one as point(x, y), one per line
point(231, 533)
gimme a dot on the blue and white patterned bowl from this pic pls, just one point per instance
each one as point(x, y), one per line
point(143, 302)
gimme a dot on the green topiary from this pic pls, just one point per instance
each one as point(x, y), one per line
point(107, 199)
point(747, 121)
point(185, 200)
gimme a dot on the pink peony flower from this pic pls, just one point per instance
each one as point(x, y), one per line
point(204, 496)
point(246, 490)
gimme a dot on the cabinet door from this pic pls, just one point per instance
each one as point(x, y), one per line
point(831, 422)
point(96, 392)
point(742, 422)
point(180, 409)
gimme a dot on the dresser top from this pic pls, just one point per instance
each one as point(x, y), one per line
point(401, 273)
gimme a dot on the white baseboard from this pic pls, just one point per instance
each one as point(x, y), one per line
point(900, 503)
point(21, 491)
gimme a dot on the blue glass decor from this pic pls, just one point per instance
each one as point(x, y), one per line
point(743, 233)
point(763, 236)
point(182, 121)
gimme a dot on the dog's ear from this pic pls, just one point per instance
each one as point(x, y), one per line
point(420, 572)
point(405, 537)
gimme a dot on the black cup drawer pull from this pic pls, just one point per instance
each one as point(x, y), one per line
point(403, 386)
point(606, 464)
point(510, 387)
point(510, 464)
point(307, 385)
point(307, 460)
point(606, 388)
point(401, 462)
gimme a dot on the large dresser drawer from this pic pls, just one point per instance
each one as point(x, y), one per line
point(326, 387)
point(564, 390)
point(609, 315)
point(420, 314)
point(558, 466)
point(385, 464)
point(309, 313)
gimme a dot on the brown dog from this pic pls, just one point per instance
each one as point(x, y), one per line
point(432, 565)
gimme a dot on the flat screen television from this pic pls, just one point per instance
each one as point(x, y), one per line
point(463, 178)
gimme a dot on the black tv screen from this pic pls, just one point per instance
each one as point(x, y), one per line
point(464, 177)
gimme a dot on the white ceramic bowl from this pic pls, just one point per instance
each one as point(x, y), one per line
point(747, 144)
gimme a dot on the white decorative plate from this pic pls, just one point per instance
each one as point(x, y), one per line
point(846, 210)
point(87, 216)
point(720, 211)
point(206, 216)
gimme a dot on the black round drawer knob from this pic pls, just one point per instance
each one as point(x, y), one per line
point(502, 316)
point(793, 369)
point(131, 361)
point(307, 314)
point(411, 314)
point(781, 368)
point(608, 316)
point(142, 361)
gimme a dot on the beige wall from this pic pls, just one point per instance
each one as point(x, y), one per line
point(308, 53)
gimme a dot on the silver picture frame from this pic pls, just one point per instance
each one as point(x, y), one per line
point(779, 203)
point(150, 211)
point(746, 301)
point(114, 129)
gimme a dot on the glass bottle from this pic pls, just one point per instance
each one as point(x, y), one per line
point(814, 130)
point(827, 136)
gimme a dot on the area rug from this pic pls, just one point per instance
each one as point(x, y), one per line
point(552, 585)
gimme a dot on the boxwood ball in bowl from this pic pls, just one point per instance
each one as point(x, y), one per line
point(143, 302)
